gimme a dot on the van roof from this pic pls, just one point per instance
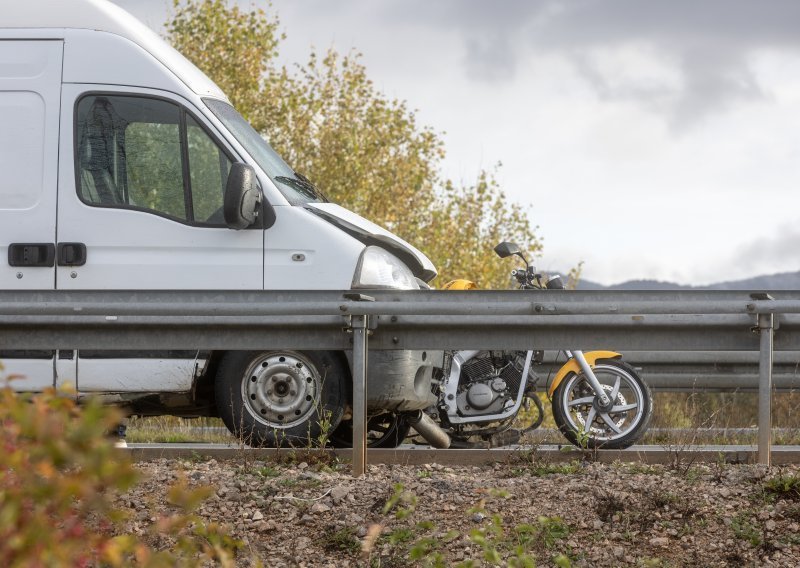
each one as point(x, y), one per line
point(102, 15)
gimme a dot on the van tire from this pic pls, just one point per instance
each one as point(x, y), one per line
point(281, 398)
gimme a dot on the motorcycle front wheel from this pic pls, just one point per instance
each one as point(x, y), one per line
point(587, 424)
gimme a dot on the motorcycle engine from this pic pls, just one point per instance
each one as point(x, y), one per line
point(489, 383)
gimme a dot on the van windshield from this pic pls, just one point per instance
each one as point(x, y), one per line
point(295, 187)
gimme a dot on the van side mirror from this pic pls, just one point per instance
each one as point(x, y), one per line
point(242, 197)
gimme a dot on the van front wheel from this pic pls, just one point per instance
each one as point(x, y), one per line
point(281, 398)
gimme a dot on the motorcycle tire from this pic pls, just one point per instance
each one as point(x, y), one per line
point(387, 430)
point(584, 423)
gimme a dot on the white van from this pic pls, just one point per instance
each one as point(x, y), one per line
point(123, 167)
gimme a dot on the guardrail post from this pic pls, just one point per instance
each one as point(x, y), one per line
point(765, 328)
point(359, 325)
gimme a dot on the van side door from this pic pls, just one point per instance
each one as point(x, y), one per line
point(141, 197)
point(30, 92)
point(140, 207)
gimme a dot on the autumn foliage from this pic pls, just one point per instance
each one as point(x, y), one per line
point(59, 473)
point(364, 150)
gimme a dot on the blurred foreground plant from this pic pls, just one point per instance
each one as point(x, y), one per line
point(59, 473)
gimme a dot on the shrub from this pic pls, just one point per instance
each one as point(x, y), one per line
point(59, 473)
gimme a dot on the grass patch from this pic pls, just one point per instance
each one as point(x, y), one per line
point(783, 486)
point(341, 541)
point(744, 529)
point(171, 429)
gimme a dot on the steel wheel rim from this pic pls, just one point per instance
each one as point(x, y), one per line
point(578, 404)
point(281, 390)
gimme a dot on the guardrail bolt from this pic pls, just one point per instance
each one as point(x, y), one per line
point(395, 340)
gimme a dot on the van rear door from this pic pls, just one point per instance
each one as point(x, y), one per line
point(30, 93)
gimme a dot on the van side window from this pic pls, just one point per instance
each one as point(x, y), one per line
point(149, 154)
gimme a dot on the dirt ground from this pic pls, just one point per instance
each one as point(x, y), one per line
point(509, 514)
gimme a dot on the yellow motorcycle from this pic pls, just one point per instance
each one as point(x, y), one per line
point(598, 401)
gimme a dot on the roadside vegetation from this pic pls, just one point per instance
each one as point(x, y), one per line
point(68, 498)
point(59, 479)
point(695, 418)
point(364, 150)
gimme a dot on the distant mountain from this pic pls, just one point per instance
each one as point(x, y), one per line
point(782, 281)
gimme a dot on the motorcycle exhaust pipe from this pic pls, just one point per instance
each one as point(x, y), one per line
point(428, 429)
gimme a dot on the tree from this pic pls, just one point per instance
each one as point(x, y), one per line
point(365, 151)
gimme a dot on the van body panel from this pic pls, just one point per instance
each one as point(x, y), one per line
point(419, 263)
point(28, 375)
point(96, 15)
point(135, 375)
point(66, 370)
point(105, 58)
point(301, 247)
point(30, 87)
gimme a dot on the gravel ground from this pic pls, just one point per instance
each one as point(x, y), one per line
point(578, 514)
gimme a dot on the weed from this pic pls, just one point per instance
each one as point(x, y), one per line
point(651, 563)
point(582, 437)
point(792, 512)
point(663, 499)
point(342, 540)
point(401, 535)
point(541, 468)
point(562, 561)
point(424, 550)
point(542, 535)
point(268, 471)
point(783, 486)
point(744, 529)
point(720, 467)
point(196, 458)
point(325, 425)
point(400, 497)
point(607, 505)
point(500, 493)
point(552, 529)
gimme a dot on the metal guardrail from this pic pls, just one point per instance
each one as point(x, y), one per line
point(548, 319)
point(703, 371)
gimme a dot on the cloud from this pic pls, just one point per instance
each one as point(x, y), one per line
point(707, 44)
point(776, 253)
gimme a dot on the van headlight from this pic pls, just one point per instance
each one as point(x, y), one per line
point(379, 268)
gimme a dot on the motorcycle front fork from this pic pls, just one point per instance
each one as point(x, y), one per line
point(589, 374)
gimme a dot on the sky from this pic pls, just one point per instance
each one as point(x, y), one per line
point(653, 140)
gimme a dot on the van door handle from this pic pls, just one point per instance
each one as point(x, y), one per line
point(31, 254)
point(71, 254)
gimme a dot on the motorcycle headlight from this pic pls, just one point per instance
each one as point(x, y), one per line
point(379, 268)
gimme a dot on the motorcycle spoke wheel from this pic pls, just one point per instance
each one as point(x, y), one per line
point(588, 424)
